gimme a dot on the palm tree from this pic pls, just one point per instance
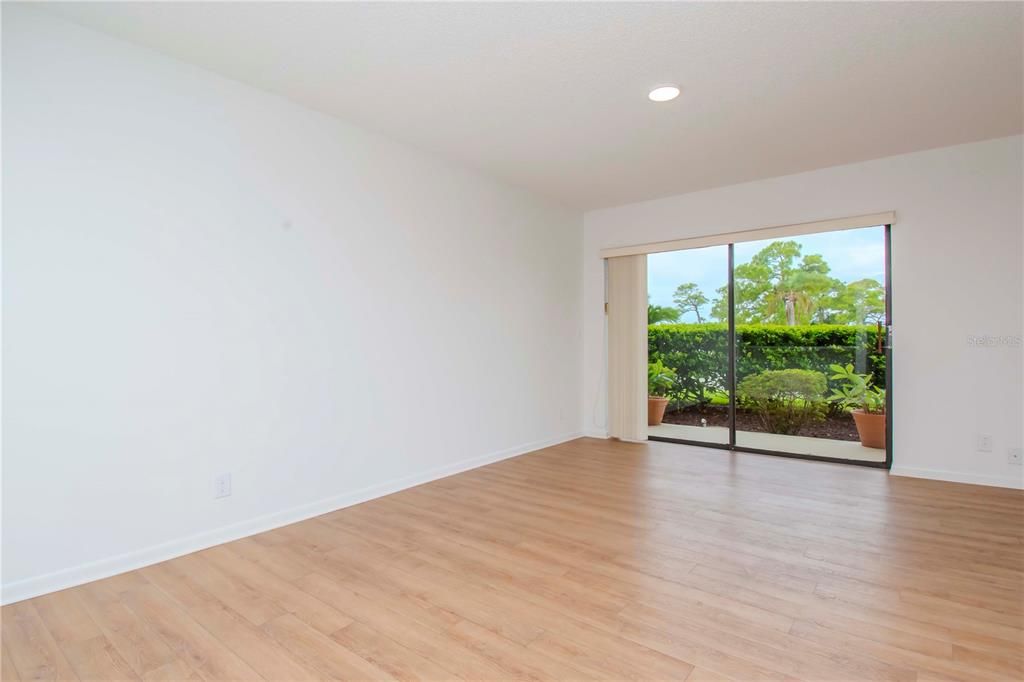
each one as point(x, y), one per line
point(661, 313)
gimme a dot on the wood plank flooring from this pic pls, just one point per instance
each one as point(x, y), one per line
point(589, 560)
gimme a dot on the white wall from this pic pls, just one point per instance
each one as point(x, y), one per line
point(201, 278)
point(957, 260)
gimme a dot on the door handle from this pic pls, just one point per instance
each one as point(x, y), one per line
point(882, 341)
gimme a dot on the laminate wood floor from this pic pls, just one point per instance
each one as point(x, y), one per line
point(589, 560)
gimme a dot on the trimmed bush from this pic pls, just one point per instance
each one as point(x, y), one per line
point(785, 399)
point(698, 353)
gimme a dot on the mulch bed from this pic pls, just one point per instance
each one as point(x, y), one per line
point(837, 428)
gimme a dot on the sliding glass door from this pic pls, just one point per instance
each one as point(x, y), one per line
point(688, 343)
point(776, 346)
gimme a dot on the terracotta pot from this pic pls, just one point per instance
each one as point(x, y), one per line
point(656, 410)
point(870, 428)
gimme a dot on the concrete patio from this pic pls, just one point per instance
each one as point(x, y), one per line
point(800, 445)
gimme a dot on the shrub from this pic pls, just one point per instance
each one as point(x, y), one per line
point(785, 399)
point(698, 353)
point(660, 379)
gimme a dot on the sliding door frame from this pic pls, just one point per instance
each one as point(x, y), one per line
point(731, 376)
point(731, 340)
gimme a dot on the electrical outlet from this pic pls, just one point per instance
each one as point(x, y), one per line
point(1014, 455)
point(222, 485)
point(984, 442)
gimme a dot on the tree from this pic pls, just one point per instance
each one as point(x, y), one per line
point(689, 297)
point(773, 288)
point(809, 292)
point(661, 313)
point(720, 306)
point(862, 302)
point(780, 285)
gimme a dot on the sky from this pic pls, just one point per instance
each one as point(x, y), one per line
point(852, 255)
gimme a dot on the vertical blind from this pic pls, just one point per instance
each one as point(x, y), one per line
point(627, 347)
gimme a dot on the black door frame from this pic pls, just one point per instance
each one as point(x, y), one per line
point(731, 377)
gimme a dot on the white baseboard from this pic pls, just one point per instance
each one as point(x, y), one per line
point(594, 433)
point(104, 568)
point(958, 477)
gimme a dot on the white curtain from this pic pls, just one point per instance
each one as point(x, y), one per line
point(627, 347)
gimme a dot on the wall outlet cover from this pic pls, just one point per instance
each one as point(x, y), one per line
point(1014, 456)
point(222, 485)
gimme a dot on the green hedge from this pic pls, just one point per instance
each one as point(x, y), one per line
point(698, 353)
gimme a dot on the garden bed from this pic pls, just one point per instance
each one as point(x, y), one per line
point(839, 427)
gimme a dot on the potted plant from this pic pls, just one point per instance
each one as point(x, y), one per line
point(865, 401)
point(660, 380)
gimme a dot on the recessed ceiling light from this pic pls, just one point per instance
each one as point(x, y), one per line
point(665, 93)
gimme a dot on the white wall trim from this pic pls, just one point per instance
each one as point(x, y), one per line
point(958, 477)
point(756, 234)
point(105, 568)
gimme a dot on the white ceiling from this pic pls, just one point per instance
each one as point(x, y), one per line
point(552, 96)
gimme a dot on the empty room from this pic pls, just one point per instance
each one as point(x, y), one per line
point(512, 340)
